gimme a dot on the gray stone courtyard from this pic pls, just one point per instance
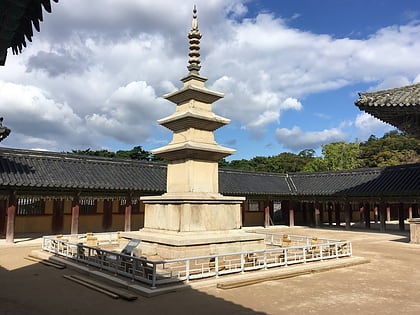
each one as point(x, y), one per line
point(388, 284)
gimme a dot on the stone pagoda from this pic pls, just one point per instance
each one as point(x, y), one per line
point(192, 218)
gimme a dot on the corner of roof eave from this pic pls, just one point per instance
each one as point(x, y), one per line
point(201, 94)
point(193, 114)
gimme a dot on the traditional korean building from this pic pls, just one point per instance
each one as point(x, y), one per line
point(399, 107)
point(48, 192)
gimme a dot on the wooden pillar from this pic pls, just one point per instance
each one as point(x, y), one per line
point(321, 207)
point(127, 215)
point(11, 214)
point(337, 214)
point(367, 215)
point(375, 213)
point(291, 214)
point(311, 213)
point(304, 209)
point(330, 206)
point(75, 215)
point(347, 214)
point(401, 217)
point(3, 211)
point(266, 214)
point(361, 213)
point(241, 213)
point(388, 213)
point(410, 212)
point(317, 214)
point(382, 217)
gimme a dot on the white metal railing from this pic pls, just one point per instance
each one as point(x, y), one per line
point(282, 250)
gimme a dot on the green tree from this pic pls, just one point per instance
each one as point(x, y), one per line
point(341, 155)
point(103, 153)
point(317, 164)
point(392, 149)
point(287, 162)
point(136, 153)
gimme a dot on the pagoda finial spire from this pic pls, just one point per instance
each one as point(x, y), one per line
point(194, 36)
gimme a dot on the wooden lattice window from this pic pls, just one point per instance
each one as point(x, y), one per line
point(87, 206)
point(30, 206)
point(254, 206)
point(276, 205)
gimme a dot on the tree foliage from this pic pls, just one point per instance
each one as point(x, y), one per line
point(341, 156)
point(136, 153)
point(392, 149)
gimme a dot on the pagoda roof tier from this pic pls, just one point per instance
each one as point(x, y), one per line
point(195, 119)
point(198, 93)
point(193, 150)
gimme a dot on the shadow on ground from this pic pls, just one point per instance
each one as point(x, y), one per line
point(33, 288)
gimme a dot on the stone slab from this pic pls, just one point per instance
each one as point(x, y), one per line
point(192, 238)
point(414, 230)
point(172, 245)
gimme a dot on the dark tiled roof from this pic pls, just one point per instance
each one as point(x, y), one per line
point(236, 182)
point(37, 170)
point(399, 107)
point(16, 20)
point(401, 180)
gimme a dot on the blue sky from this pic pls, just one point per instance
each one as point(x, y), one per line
point(290, 71)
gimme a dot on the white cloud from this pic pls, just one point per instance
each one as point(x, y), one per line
point(295, 139)
point(31, 112)
point(130, 113)
point(368, 125)
point(291, 103)
point(98, 68)
point(390, 83)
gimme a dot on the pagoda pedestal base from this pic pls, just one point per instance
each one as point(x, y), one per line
point(173, 245)
point(189, 225)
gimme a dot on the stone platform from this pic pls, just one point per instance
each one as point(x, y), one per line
point(192, 212)
point(173, 245)
point(414, 230)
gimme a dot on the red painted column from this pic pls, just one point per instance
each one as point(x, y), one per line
point(330, 206)
point(361, 213)
point(382, 217)
point(388, 213)
point(75, 216)
point(266, 215)
point(242, 213)
point(367, 215)
point(127, 216)
point(347, 214)
point(337, 208)
point(11, 214)
point(401, 217)
point(317, 214)
point(375, 213)
point(291, 217)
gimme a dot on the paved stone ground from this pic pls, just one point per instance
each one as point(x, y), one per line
point(389, 284)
